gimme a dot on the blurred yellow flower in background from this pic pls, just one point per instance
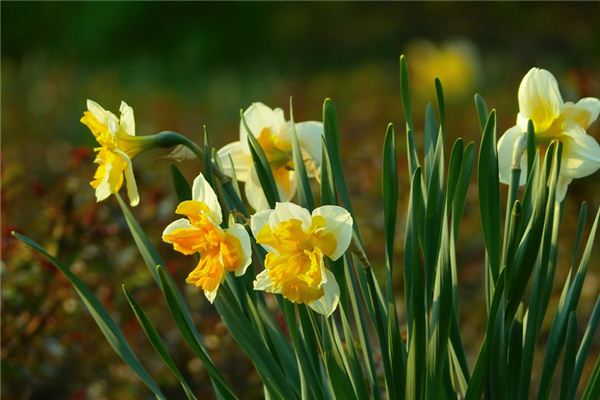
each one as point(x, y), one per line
point(297, 241)
point(221, 250)
point(541, 102)
point(118, 145)
point(455, 62)
point(274, 134)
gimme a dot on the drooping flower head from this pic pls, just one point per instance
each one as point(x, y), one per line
point(118, 145)
point(541, 102)
point(297, 242)
point(221, 250)
point(274, 134)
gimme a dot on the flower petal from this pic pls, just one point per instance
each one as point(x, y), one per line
point(241, 234)
point(181, 223)
point(310, 136)
point(132, 191)
point(561, 187)
point(239, 155)
point(338, 222)
point(201, 191)
point(254, 192)
point(539, 99)
point(581, 152)
point(97, 111)
point(584, 113)
point(127, 120)
point(327, 304)
point(258, 220)
point(260, 117)
point(505, 155)
point(286, 211)
point(286, 183)
point(263, 282)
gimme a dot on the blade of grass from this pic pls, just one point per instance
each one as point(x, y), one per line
point(107, 325)
point(156, 341)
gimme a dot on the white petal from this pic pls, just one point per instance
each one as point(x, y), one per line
point(103, 190)
point(539, 98)
point(327, 304)
point(287, 211)
point(561, 187)
point(259, 219)
point(260, 117)
point(505, 154)
point(254, 192)
point(581, 153)
point(286, 185)
point(97, 111)
point(112, 122)
point(181, 223)
point(212, 295)
point(201, 191)
point(310, 136)
point(584, 113)
point(338, 222)
point(239, 154)
point(241, 234)
point(127, 119)
point(263, 282)
point(132, 192)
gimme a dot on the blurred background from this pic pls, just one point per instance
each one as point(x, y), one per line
point(183, 65)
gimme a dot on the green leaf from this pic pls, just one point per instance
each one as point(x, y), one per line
point(156, 341)
point(303, 184)
point(482, 111)
point(569, 358)
point(460, 195)
point(584, 348)
point(557, 334)
point(439, 92)
point(414, 294)
point(489, 194)
point(390, 198)
point(431, 132)
point(263, 168)
point(107, 325)
point(592, 390)
point(182, 187)
point(405, 92)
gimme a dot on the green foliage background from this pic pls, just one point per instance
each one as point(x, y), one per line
point(182, 65)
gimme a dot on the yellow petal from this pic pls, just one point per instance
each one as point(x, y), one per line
point(208, 275)
point(539, 99)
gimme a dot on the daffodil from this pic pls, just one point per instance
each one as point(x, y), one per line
point(274, 134)
point(541, 102)
point(118, 145)
point(297, 242)
point(221, 250)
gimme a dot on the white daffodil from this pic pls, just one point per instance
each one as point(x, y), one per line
point(221, 250)
point(118, 145)
point(540, 101)
point(297, 241)
point(274, 134)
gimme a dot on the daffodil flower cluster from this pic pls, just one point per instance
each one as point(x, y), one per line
point(541, 102)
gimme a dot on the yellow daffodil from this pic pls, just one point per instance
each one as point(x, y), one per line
point(274, 134)
point(455, 62)
point(221, 250)
point(296, 242)
point(118, 145)
point(540, 101)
